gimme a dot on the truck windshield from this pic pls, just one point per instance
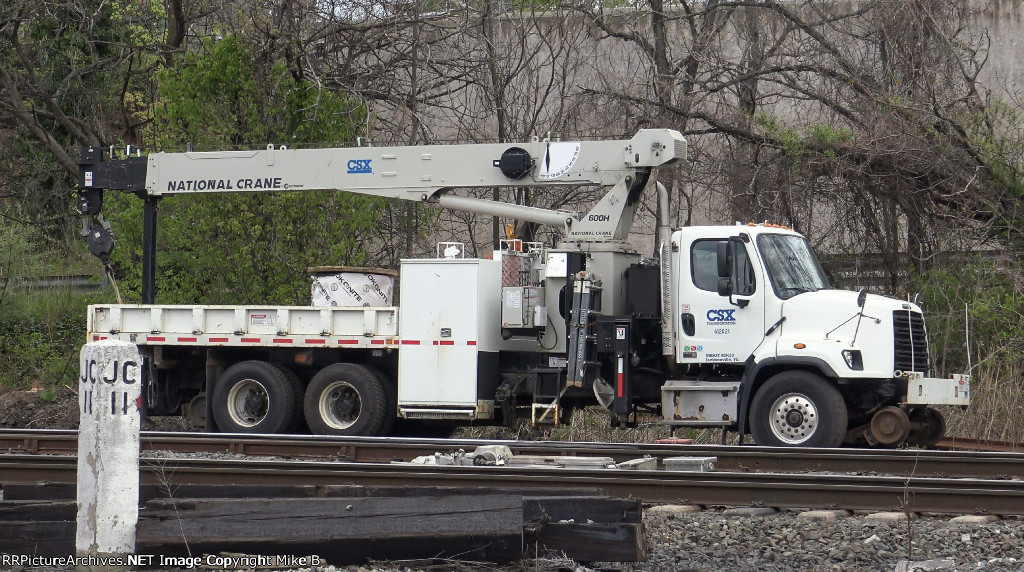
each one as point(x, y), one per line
point(791, 264)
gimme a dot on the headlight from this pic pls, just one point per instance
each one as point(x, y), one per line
point(853, 359)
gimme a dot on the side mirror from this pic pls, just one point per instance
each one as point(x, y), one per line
point(726, 272)
point(725, 287)
point(724, 260)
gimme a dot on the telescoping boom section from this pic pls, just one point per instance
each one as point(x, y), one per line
point(420, 174)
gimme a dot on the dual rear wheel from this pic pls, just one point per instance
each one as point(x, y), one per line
point(341, 399)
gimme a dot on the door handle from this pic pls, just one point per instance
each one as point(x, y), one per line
point(689, 324)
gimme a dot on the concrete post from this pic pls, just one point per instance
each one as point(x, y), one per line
point(108, 453)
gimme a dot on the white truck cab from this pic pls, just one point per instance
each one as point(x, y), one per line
point(801, 363)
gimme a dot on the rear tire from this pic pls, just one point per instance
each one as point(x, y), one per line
point(346, 399)
point(391, 406)
point(253, 397)
point(798, 409)
point(298, 424)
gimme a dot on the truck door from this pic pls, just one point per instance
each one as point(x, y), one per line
point(715, 328)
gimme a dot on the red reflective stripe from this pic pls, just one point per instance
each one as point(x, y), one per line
point(436, 342)
point(95, 338)
point(283, 340)
point(251, 340)
point(410, 342)
point(317, 341)
point(357, 341)
point(156, 339)
point(620, 379)
point(219, 340)
point(374, 342)
point(447, 342)
point(471, 343)
point(181, 339)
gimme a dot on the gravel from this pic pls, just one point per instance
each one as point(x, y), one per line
point(710, 540)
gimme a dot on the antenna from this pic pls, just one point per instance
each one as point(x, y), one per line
point(967, 334)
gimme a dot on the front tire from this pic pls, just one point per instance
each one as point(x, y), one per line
point(346, 399)
point(253, 397)
point(798, 409)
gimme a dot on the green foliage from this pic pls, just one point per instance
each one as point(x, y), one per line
point(29, 253)
point(225, 249)
point(40, 330)
point(244, 248)
point(996, 134)
point(227, 97)
point(40, 335)
point(986, 292)
point(823, 138)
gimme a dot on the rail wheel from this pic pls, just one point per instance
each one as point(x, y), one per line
point(890, 426)
point(346, 399)
point(798, 408)
point(253, 397)
point(928, 427)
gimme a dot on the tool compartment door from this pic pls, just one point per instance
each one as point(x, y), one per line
point(449, 316)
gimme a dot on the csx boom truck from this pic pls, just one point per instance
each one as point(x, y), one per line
point(731, 327)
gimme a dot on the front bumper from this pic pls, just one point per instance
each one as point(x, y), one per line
point(923, 390)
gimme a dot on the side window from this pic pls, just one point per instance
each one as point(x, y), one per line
point(704, 263)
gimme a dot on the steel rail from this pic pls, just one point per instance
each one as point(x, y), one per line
point(852, 492)
point(898, 462)
point(963, 444)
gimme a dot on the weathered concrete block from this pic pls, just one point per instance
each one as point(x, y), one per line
point(108, 450)
point(976, 518)
point(748, 511)
point(642, 464)
point(889, 516)
point(823, 514)
point(697, 464)
point(673, 509)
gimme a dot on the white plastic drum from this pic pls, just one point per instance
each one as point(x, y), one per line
point(351, 286)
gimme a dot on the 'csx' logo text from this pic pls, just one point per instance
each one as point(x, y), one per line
point(360, 166)
point(721, 315)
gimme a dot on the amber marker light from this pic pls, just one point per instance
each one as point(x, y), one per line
point(799, 346)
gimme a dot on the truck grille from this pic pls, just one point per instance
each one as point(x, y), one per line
point(911, 343)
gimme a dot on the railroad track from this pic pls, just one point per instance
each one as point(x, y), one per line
point(816, 478)
point(841, 491)
point(894, 462)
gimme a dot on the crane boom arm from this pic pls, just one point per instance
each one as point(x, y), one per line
point(414, 173)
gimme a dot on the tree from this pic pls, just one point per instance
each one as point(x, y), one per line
point(809, 112)
point(73, 73)
point(245, 248)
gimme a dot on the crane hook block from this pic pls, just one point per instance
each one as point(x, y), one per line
point(515, 163)
point(100, 242)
